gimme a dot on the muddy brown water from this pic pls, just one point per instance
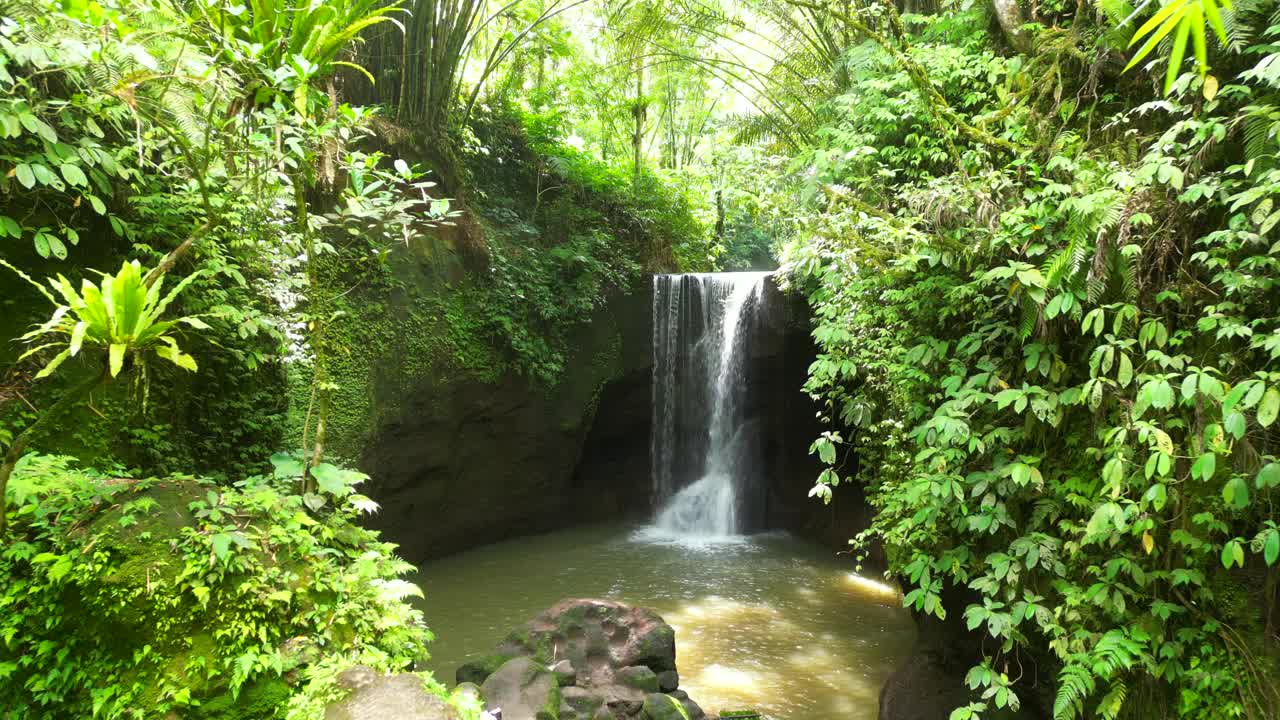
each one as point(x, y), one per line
point(767, 622)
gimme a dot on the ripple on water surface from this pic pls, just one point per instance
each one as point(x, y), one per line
point(764, 621)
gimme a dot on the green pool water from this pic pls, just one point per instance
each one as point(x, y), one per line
point(766, 622)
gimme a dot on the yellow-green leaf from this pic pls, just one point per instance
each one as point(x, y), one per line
point(1269, 407)
point(77, 338)
point(116, 353)
point(53, 364)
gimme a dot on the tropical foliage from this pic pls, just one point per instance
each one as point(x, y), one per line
point(1053, 354)
point(1038, 241)
point(230, 601)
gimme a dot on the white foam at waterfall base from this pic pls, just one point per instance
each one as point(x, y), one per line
point(706, 511)
point(699, 516)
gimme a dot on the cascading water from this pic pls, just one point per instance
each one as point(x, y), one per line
point(702, 447)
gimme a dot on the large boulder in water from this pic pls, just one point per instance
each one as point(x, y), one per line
point(587, 660)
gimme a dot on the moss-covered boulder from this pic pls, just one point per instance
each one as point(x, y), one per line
point(606, 659)
point(477, 671)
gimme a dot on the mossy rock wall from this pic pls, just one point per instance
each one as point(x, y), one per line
point(448, 431)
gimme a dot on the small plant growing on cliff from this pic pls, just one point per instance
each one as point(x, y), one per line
point(119, 319)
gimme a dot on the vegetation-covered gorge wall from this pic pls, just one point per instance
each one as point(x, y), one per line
point(469, 363)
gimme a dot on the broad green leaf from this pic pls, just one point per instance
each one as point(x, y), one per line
point(74, 175)
point(53, 364)
point(1236, 493)
point(329, 479)
point(1204, 466)
point(1269, 406)
point(286, 465)
point(1232, 554)
point(1157, 495)
point(60, 569)
point(1176, 55)
point(26, 176)
point(1169, 24)
point(1235, 424)
point(1160, 17)
point(1268, 476)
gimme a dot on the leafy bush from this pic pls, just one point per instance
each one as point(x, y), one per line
point(130, 598)
point(1055, 356)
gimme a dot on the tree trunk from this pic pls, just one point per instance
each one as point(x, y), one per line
point(638, 111)
point(719, 216)
point(1009, 14)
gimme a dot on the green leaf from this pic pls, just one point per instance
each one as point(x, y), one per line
point(1204, 466)
point(287, 465)
point(1271, 548)
point(1170, 22)
point(1165, 13)
point(1236, 493)
point(221, 546)
point(60, 568)
point(116, 356)
point(26, 176)
point(74, 175)
point(1157, 495)
point(1268, 476)
point(1176, 55)
point(330, 479)
point(41, 241)
point(1269, 406)
point(53, 364)
point(77, 338)
point(1235, 424)
point(1232, 554)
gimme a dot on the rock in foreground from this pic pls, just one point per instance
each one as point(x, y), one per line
point(586, 660)
point(375, 696)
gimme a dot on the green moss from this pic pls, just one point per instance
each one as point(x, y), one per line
point(477, 671)
point(260, 700)
point(640, 678)
point(551, 708)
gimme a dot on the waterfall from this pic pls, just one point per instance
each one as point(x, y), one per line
point(702, 449)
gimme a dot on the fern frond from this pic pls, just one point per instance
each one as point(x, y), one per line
point(1075, 685)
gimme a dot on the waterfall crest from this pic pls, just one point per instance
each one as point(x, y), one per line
point(701, 448)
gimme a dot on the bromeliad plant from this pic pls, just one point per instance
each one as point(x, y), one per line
point(119, 319)
point(289, 44)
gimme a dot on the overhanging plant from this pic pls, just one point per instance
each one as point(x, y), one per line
point(119, 319)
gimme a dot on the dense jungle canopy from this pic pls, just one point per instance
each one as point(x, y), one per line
point(1038, 242)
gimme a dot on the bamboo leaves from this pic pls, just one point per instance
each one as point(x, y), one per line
point(1188, 18)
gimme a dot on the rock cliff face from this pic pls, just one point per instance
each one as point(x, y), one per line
point(490, 459)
